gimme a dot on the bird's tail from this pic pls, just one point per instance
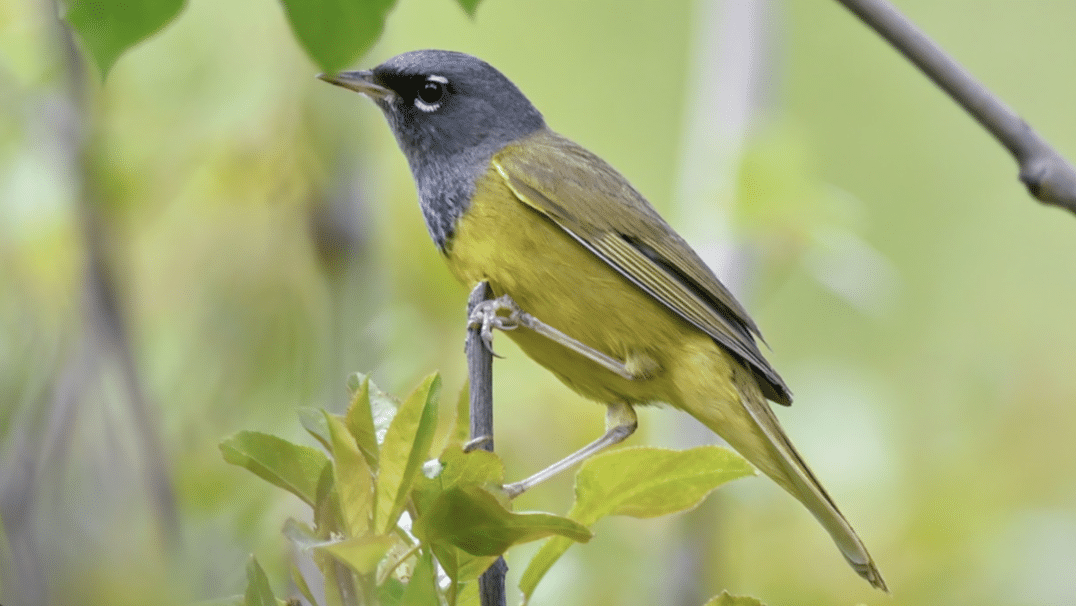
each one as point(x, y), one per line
point(751, 428)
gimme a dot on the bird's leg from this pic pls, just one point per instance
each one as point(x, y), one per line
point(487, 315)
point(620, 422)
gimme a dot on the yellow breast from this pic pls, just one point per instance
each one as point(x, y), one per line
point(553, 277)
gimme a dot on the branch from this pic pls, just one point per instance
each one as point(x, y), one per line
point(480, 373)
point(1048, 176)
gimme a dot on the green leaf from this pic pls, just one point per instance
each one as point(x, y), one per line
point(475, 521)
point(641, 482)
point(475, 468)
point(462, 429)
point(301, 584)
point(647, 482)
point(469, 595)
point(295, 468)
point(328, 516)
point(390, 592)
point(458, 468)
point(110, 27)
point(258, 591)
point(361, 554)
point(313, 421)
point(406, 448)
point(459, 565)
point(540, 564)
point(354, 481)
point(447, 427)
point(383, 407)
point(335, 32)
point(421, 590)
point(469, 6)
point(334, 584)
point(360, 421)
point(730, 600)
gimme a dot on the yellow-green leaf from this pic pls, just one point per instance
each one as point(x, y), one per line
point(390, 592)
point(360, 421)
point(258, 591)
point(541, 563)
point(300, 583)
point(647, 482)
point(459, 565)
point(475, 468)
point(361, 554)
point(406, 448)
point(421, 590)
point(461, 424)
point(295, 468)
point(468, 595)
point(313, 421)
point(447, 426)
point(642, 482)
point(474, 520)
point(354, 481)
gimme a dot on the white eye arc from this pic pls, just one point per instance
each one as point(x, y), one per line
point(428, 98)
point(426, 107)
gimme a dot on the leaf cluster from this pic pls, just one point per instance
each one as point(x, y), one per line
point(404, 514)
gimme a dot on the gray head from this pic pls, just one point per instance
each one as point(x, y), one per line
point(450, 113)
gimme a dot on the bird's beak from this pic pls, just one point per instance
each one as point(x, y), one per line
point(364, 82)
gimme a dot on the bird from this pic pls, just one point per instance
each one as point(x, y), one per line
point(626, 313)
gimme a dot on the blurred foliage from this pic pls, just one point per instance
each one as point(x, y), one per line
point(266, 243)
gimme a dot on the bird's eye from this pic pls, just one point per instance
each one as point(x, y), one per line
point(431, 92)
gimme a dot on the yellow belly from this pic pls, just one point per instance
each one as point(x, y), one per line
point(553, 277)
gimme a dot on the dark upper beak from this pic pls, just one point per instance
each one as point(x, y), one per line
point(364, 82)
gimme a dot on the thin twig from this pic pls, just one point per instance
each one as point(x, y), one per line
point(480, 371)
point(1048, 176)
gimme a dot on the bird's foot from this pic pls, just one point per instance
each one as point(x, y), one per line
point(488, 316)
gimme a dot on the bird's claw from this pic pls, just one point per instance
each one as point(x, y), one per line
point(487, 316)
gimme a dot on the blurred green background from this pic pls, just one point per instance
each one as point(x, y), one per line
point(264, 241)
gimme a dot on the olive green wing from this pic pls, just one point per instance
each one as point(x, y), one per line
point(598, 207)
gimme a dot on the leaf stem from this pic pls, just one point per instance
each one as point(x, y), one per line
point(390, 569)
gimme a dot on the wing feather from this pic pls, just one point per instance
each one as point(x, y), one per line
point(577, 191)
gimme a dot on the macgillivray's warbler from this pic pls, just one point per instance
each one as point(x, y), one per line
point(636, 315)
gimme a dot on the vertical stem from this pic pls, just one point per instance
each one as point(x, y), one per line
point(108, 333)
point(480, 371)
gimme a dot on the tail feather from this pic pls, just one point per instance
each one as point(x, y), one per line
point(752, 429)
point(797, 478)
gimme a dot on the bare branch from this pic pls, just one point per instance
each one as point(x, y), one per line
point(1048, 176)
